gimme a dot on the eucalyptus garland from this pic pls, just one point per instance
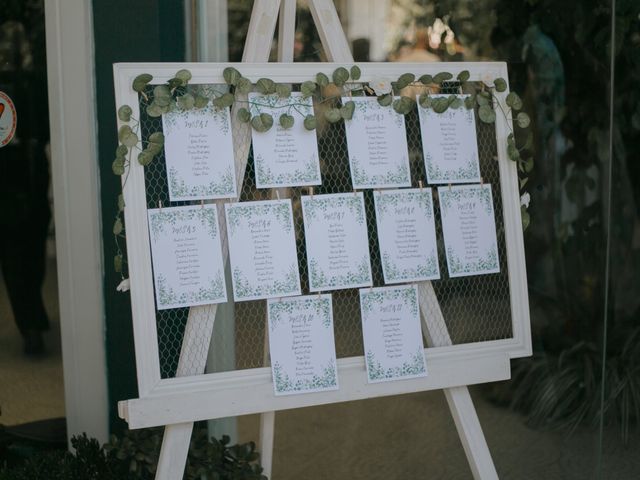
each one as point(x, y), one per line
point(178, 95)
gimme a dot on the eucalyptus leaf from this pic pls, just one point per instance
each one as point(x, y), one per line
point(201, 101)
point(310, 122)
point(283, 90)
point(440, 104)
point(117, 226)
point(385, 100)
point(124, 113)
point(526, 218)
point(513, 152)
point(174, 83)
point(162, 102)
point(333, 115)
point(129, 139)
point(262, 122)
point(265, 86)
point(186, 101)
point(523, 182)
point(243, 85)
point(154, 110)
point(243, 115)
point(161, 91)
point(470, 101)
point(426, 79)
point(141, 81)
point(511, 140)
point(404, 80)
point(486, 114)
point(482, 100)
point(322, 80)
point(340, 76)
point(403, 105)
point(121, 151)
point(455, 102)
point(425, 100)
point(157, 137)
point(121, 203)
point(117, 263)
point(153, 148)
point(123, 131)
point(464, 76)
point(347, 110)
point(286, 120)
point(223, 101)
point(308, 88)
point(500, 84)
point(528, 144)
point(184, 75)
point(442, 77)
point(145, 157)
point(231, 75)
point(514, 101)
point(355, 72)
point(523, 120)
point(118, 166)
point(528, 164)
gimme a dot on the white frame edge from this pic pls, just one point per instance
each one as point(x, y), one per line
point(74, 169)
point(449, 366)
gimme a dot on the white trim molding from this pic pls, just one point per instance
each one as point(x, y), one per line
point(74, 168)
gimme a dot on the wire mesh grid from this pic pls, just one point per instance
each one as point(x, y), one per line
point(475, 308)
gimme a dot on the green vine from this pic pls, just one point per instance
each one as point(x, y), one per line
point(177, 94)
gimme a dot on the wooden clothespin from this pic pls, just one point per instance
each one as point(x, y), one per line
point(277, 194)
point(420, 185)
point(311, 192)
point(201, 203)
point(449, 187)
point(160, 205)
point(481, 182)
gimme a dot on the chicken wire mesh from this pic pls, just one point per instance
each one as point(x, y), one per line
point(475, 308)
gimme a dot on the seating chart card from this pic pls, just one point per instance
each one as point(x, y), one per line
point(449, 144)
point(262, 247)
point(303, 353)
point(392, 335)
point(199, 154)
point(187, 260)
point(285, 157)
point(377, 144)
point(337, 241)
point(469, 229)
point(407, 235)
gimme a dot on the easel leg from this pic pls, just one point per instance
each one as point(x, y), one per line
point(458, 398)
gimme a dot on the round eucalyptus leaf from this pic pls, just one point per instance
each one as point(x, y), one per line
point(154, 148)
point(243, 85)
point(157, 137)
point(124, 113)
point(186, 101)
point(500, 84)
point(141, 81)
point(486, 114)
point(145, 157)
point(404, 80)
point(528, 164)
point(154, 110)
point(511, 140)
point(123, 131)
point(333, 115)
point(201, 101)
point(174, 83)
point(442, 77)
point(470, 101)
point(385, 100)
point(347, 110)
point(440, 104)
point(310, 122)
point(514, 101)
point(223, 101)
point(322, 80)
point(308, 88)
point(403, 105)
point(426, 79)
point(266, 86)
point(231, 75)
point(283, 90)
point(262, 122)
point(526, 218)
point(355, 72)
point(456, 102)
point(121, 151)
point(117, 226)
point(121, 203)
point(117, 263)
point(162, 102)
point(523, 120)
point(340, 76)
point(161, 91)
point(513, 152)
point(286, 120)
point(118, 166)
point(130, 140)
point(464, 76)
point(425, 100)
point(184, 75)
point(243, 115)
point(528, 144)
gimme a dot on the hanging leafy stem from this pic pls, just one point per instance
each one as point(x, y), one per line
point(177, 95)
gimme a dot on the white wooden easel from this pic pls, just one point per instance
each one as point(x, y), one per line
point(199, 328)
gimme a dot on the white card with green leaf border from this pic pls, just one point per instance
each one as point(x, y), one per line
point(262, 247)
point(302, 347)
point(392, 334)
point(469, 229)
point(407, 235)
point(284, 157)
point(377, 144)
point(199, 155)
point(449, 142)
point(187, 260)
point(337, 241)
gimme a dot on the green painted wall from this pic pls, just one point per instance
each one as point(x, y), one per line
point(125, 31)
